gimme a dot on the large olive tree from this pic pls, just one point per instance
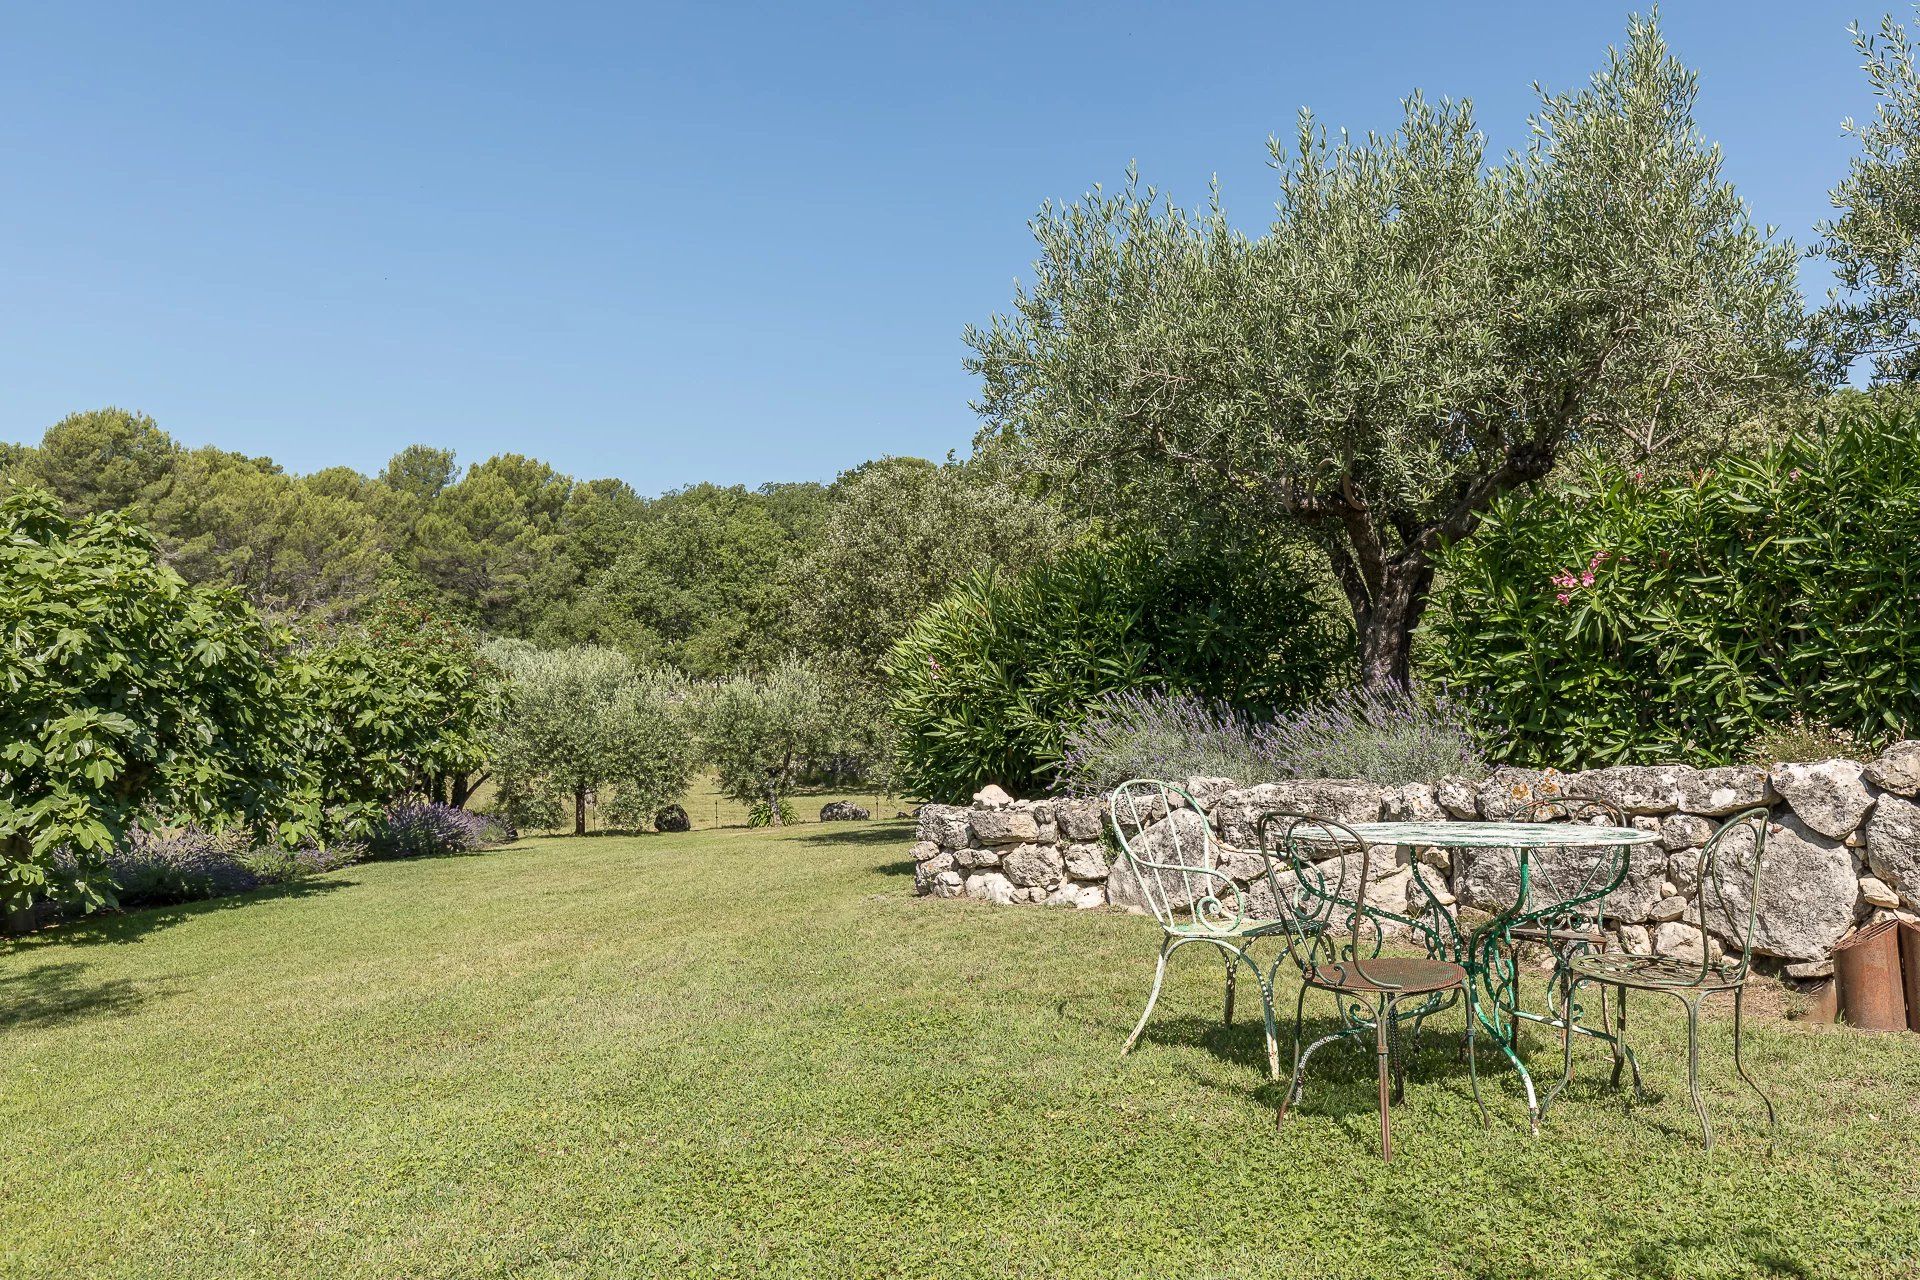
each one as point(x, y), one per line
point(1416, 332)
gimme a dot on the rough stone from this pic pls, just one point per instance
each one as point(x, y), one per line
point(1647, 789)
point(924, 850)
point(948, 884)
point(1079, 820)
point(1081, 896)
point(1875, 892)
point(1828, 796)
point(1460, 797)
point(1207, 791)
point(1893, 845)
point(973, 857)
point(1807, 893)
point(1049, 833)
point(1028, 865)
point(1004, 826)
point(1685, 831)
point(946, 825)
point(1085, 861)
point(1715, 793)
point(1411, 802)
point(1667, 909)
point(1042, 811)
point(1178, 838)
point(1509, 792)
point(990, 886)
point(926, 873)
point(1897, 769)
point(1490, 878)
point(1680, 941)
point(1635, 940)
point(1340, 799)
point(672, 818)
point(1806, 969)
point(993, 796)
point(843, 811)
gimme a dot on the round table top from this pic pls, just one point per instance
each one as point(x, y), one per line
point(1498, 835)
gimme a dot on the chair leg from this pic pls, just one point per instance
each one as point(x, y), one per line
point(1473, 1059)
point(1693, 1068)
point(1566, 1046)
point(1159, 976)
point(1297, 1085)
point(1740, 1065)
point(1383, 1021)
point(1623, 1053)
point(1233, 968)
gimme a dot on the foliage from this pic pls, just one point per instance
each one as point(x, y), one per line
point(759, 732)
point(1391, 736)
point(1147, 733)
point(399, 704)
point(128, 692)
point(1417, 333)
point(1874, 244)
point(419, 829)
point(1798, 738)
point(990, 681)
point(104, 460)
point(584, 722)
point(763, 1037)
point(1619, 619)
point(190, 864)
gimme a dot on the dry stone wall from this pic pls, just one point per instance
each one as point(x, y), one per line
point(1843, 844)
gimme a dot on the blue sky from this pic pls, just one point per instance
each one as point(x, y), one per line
point(676, 243)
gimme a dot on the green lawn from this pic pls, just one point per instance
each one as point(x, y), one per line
point(752, 1054)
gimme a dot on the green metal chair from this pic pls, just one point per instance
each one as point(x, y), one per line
point(1175, 862)
point(1327, 940)
point(1732, 896)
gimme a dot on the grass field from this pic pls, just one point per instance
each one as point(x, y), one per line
point(742, 1053)
point(707, 809)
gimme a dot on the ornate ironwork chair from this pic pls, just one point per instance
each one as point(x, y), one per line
point(1175, 862)
point(1564, 909)
point(1727, 894)
point(1328, 940)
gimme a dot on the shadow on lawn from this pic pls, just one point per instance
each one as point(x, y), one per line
point(134, 924)
point(51, 994)
point(886, 831)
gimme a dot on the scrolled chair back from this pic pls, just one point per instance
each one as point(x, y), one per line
point(1727, 890)
point(1173, 858)
point(1577, 875)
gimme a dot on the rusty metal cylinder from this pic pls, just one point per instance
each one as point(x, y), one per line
point(1910, 971)
point(1868, 966)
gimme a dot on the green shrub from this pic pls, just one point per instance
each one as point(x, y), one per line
point(1618, 620)
point(991, 680)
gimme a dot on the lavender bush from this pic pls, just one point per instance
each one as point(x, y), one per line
point(1151, 734)
point(1389, 736)
point(412, 829)
point(188, 864)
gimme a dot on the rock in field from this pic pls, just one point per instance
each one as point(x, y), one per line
point(843, 811)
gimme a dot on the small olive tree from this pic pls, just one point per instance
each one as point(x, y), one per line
point(584, 721)
point(759, 732)
point(1417, 332)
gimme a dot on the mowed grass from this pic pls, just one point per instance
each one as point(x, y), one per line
point(743, 1053)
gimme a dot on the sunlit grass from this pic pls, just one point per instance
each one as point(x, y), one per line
point(745, 1053)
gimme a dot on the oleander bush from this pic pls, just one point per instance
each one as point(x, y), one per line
point(1619, 619)
point(991, 681)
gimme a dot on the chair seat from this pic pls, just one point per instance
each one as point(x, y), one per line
point(1245, 929)
point(1653, 973)
point(1397, 974)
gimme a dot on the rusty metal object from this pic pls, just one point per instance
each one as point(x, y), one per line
point(1910, 969)
point(1868, 967)
point(1822, 1002)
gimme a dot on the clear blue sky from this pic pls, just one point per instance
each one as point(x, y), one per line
point(693, 242)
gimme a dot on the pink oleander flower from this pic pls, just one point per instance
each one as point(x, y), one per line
point(1562, 598)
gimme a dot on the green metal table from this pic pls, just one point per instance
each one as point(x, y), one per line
point(1488, 952)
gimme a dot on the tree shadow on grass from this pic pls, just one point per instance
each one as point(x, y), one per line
point(51, 994)
point(887, 831)
point(133, 924)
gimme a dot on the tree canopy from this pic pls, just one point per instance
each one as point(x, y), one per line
point(1416, 333)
